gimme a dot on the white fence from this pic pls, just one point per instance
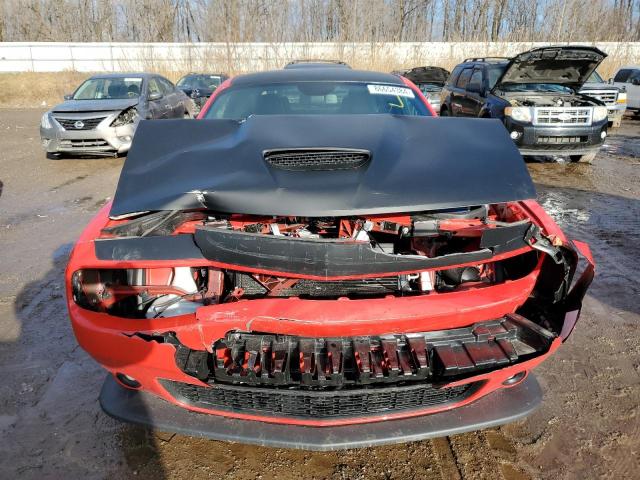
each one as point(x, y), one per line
point(230, 57)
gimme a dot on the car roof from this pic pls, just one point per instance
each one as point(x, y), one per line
point(122, 75)
point(200, 74)
point(316, 74)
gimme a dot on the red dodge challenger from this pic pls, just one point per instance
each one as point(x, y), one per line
point(319, 263)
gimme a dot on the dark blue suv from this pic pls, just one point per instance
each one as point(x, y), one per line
point(536, 95)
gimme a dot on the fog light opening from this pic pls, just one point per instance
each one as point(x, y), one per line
point(514, 379)
point(515, 135)
point(603, 135)
point(125, 139)
point(127, 381)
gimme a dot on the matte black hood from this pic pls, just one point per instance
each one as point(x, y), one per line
point(416, 163)
point(105, 105)
point(570, 66)
point(420, 75)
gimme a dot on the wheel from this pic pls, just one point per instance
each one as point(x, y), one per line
point(444, 112)
point(587, 158)
point(186, 115)
point(53, 156)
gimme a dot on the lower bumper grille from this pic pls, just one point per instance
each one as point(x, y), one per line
point(317, 404)
point(548, 140)
point(88, 144)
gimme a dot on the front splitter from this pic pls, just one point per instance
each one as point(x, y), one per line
point(504, 406)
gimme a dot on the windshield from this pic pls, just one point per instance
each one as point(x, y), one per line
point(316, 98)
point(535, 87)
point(595, 78)
point(429, 87)
point(204, 82)
point(493, 73)
point(109, 88)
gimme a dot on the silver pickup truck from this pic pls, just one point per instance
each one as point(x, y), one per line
point(613, 96)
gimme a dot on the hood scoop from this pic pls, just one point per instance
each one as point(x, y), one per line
point(317, 158)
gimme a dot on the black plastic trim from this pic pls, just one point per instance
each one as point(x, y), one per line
point(500, 407)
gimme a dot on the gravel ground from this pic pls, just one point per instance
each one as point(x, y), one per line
point(52, 427)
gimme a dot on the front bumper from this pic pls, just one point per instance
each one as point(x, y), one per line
point(504, 406)
point(102, 140)
point(616, 112)
point(557, 140)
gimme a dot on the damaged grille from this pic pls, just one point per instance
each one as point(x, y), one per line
point(563, 116)
point(317, 159)
point(79, 123)
point(364, 287)
point(316, 404)
point(257, 359)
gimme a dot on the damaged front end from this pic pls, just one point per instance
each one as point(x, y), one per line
point(324, 320)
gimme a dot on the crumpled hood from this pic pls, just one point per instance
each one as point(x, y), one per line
point(416, 163)
point(570, 66)
point(95, 105)
point(420, 75)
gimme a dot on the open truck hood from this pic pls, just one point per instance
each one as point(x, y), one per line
point(420, 75)
point(414, 164)
point(570, 66)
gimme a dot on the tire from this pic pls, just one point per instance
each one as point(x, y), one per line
point(444, 112)
point(53, 156)
point(187, 116)
point(587, 158)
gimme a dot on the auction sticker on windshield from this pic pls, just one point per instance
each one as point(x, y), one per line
point(390, 90)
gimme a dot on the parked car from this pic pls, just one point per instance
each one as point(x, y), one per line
point(536, 95)
point(200, 86)
point(318, 251)
point(615, 98)
point(629, 78)
point(102, 115)
point(430, 81)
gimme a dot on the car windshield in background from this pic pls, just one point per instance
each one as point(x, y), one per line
point(595, 78)
point(535, 87)
point(494, 72)
point(205, 82)
point(429, 87)
point(310, 98)
point(109, 88)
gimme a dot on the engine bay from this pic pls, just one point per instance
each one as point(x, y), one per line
point(160, 292)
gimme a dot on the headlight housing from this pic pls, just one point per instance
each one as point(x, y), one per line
point(521, 114)
point(600, 113)
point(45, 121)
point(130, 115)
point(622, 97)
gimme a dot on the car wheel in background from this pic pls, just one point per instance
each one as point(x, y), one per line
point(53, 156)
point(444, 112)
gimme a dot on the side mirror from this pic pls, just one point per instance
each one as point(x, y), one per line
point(155, 96)
point(475, 88)
point(68, 96)
point(610, 80)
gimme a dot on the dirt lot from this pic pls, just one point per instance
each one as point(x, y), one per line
point(52, 427)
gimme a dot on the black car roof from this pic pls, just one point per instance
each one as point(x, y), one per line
point(330, 74)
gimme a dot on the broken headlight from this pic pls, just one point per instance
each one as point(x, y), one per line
point(599, 113)
point(45, 122)
point(520, 114)
point(130, 115)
